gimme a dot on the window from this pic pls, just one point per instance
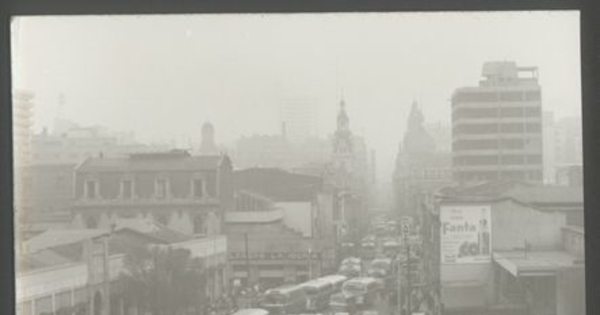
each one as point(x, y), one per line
point(511, 128)
point(162, 219)
point(198, 187)
point(91, 223)
point(475, 97)
point(533, 111)
point(512, 143)
point(475, 113)
point(161, 188)
point(534, 159)
point(476, 128)
point(512, 159)
point(476, 160)
point(511, 112)
point(511, 96)
point(60, 182)
point(533, 128)
point(533, 95)
point(127, 189)
point(91, 189)
point(198, 225)
point(462, 145)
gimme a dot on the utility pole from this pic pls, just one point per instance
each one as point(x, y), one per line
point(247, 260)
point(408, 280)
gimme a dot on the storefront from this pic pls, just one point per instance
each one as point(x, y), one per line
point(272, 269)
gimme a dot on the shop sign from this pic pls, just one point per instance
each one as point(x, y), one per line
point(466, 235)
point(273, 256)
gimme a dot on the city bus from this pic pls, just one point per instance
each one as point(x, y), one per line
point(350, 271)
point(251, 311)
point(285, 300)
point(362, 290)
point(368, 250)
point(391, 248)
point(336, 280)
point(318, 292)
point(384, 264)
point(351, 261)
point(338, 303)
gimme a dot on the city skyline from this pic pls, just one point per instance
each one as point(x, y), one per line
point(234, 72)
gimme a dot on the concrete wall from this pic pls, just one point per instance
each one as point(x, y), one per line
point(570, 292)
point(513, 223)
point(477, 277)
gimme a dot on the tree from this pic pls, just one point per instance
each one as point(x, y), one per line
point(163, 281)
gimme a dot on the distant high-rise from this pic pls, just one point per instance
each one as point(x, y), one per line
point(22, 135)
point(497, 126)
point(298, 119)
point(208, 146)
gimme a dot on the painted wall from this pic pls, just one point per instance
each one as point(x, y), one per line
point(570, 292)
point(512, 224)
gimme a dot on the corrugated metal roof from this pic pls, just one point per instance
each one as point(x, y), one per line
point(53, 238)
point(278, 184)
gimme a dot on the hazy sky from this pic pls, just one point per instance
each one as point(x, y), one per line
point(163, 76)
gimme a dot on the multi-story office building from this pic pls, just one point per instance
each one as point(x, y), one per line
point(497, 126)
point(22, 123)
point(568, 144)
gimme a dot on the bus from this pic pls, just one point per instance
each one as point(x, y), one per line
point(391, 248)
point(336, 280)
point(352, 261)
point(338, 303)
point(318, 292)
point(251, 311)
point(285, 299)
point(384, 264)
point(362, 290)
point(350, 271)
point(368, 250)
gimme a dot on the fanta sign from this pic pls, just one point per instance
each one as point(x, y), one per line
point(466, 234)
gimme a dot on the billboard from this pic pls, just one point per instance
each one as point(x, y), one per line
point(466, 234)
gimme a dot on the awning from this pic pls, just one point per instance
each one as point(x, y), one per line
point(534, 263)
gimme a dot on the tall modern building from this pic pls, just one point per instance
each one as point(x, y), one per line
point(22, 134)
point(497, 126)
point(208, 146)
point(298, 119)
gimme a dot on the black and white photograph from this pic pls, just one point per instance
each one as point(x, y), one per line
point(392, 163)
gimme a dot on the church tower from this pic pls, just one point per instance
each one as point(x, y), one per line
point(342, 142)
point(343, 149)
